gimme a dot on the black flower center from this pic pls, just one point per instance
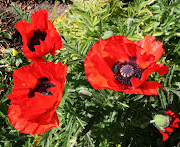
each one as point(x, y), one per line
point(124, 71)
point(35, 39)
point(42, 87)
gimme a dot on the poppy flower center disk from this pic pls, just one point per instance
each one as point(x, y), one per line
point(124, 71)
point(42, 87)
point(127, 70)
point(35, 39)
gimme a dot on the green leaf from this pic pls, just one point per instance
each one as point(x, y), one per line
point(162, 99)
point(18, 62)
point(173, 90)
point(9, 50)
point(7, 35)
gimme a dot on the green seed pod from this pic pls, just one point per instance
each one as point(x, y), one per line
point(107, 34)
point(178, 145)
point(161, 121)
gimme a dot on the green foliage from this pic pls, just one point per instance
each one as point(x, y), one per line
point(102, 117)
point(3, 33)
point(21, 14)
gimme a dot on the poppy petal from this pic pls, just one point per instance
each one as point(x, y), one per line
point(160, 68)
point(40, 20)
point(25, 29)
point(29, 127)
point(120, 47)
point(99, 76)
point(165, 135)
point(150, 47)
point(146, 88)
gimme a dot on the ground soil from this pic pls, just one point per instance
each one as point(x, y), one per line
point(9, 18)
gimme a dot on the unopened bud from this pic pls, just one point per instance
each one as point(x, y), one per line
point(178, 145)
point(85, 93)
point(161, 121)
point(107, 34)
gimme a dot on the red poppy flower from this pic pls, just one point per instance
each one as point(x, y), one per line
point(36, 94)
point(39, 37)
point(122, 65)
point(174, 121)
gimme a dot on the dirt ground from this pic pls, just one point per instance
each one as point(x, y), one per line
point(9, 18)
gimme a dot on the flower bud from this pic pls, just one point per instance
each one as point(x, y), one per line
point(178, 145)
point(85, 93)
point(161, 121)
point(107, 34)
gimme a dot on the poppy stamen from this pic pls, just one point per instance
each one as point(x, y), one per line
point(42, 87)
point(35, 39)
point(124, 71)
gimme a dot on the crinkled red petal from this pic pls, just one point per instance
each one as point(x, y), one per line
point(31, 127)
point(175, 123)
point(160, 68)
point(146, 88)
point(169, 130)
point(38, 106)
point(39, 20)
point(120, 47)
point(98, 64)
point(25, 29)
point(150, 47)
point(165, 135)
point(98, 73)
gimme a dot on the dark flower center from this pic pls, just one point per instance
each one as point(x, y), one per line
point(127, 70)
point(124, 71)
point(42, 87)
point(35, 39)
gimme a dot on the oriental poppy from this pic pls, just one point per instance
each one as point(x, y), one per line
point(122, 65)
point(39, 37)
point(37, 92)
point(166, 122)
